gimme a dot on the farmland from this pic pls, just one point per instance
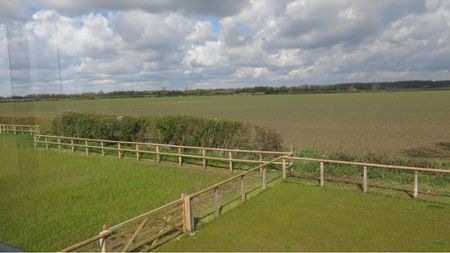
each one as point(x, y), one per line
point(49, 200)
point(295, 216)
point(402, 123)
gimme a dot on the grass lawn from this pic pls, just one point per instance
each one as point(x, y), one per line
point(414, 123)
point(51, 199)
point(295, 216)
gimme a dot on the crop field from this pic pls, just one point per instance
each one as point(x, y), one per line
point(50, 199)
point(407, 123)
point(296, 216)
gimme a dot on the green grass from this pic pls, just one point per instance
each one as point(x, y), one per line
point(393, 122)
point(51, 199)
point(294, 216)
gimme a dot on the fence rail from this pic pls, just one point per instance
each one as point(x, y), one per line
point(230, 156)
point(366, 166)
point(23, 129)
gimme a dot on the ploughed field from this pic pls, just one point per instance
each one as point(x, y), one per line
point(408, 123)
point(298, 216)
point(51, 199)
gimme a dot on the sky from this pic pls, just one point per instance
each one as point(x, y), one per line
point(61, 46)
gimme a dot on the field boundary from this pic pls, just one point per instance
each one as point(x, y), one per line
point(23, 129)
point(365, 167)
point(204, 154)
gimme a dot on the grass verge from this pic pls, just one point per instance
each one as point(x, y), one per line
point(51, 199)
point(294, 216)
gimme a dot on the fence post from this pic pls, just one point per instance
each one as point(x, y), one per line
point(321, 174)
point(264, 178)
point(118, 149)
point(15, 130)
point(365, 179)
point(188, 218)
point(260, 162)
point(180, 158)
point(284, 168)
point(158, 157)
point(1, 128)
point(243, 195)
point(105, 242)
point(35, 140)
point(137, 151)
point(87, 148)
point(416, 184)
point(71, 144)
point(204, 159)
point(46, 143)
point(231, 160)
point(216, 201)
point(59, 143)
point(103, 150)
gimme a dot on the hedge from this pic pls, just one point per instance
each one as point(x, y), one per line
point(178, 130)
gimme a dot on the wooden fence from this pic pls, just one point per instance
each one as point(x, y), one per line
point(22, 129)
point(149, 230)
point(370, 166)
point(183, 216)
point(230, 157)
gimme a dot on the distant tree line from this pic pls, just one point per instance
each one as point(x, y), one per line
point(305, 88)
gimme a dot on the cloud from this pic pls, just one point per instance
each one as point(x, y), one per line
point(217, 8)
point(75, 46)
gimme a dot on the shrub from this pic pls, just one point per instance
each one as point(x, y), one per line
point(178, 130)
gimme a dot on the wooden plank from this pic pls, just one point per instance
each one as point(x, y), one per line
point(264, 178)
point(365, 179)
point(204, 159)
point(59, 143)
point(86, 148)
point(71, 144)
point(137, 152)
point(135, 234)
point(118, 150)
point(122, 224)
point(46, 143)
point(283, 168)
point(173, 225)
point(180, 157)
point(158, 157)
point(159, 235)
point(416, 184)
point(322, 172)
point(188, 217)
point(102, 147)
point(105, 242)
point(260, 161)
point(231, 161)
point(87, 241)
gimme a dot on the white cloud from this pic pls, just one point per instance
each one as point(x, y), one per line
point(252, 73)
point(75, 46)
point(205, 55)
